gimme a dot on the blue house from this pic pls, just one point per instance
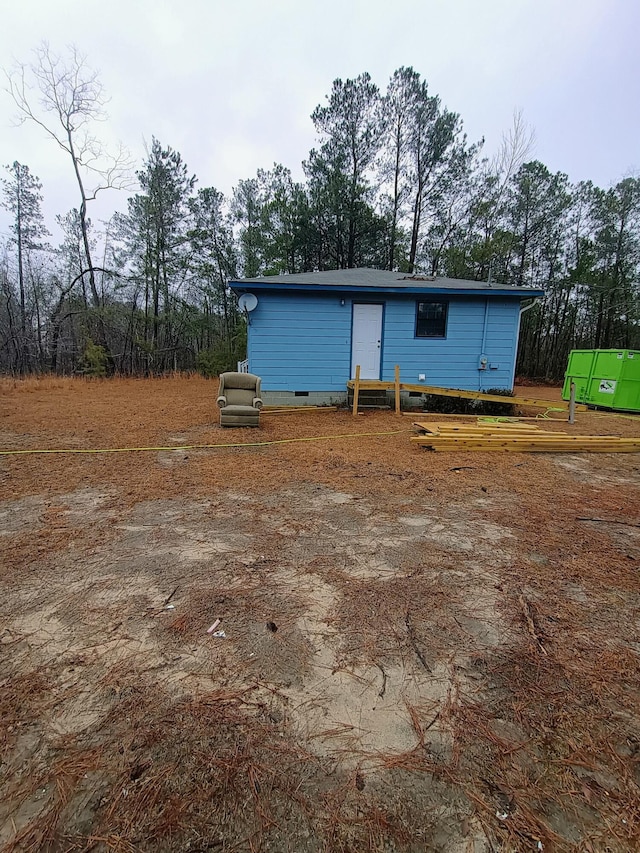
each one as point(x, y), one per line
point(308, 331)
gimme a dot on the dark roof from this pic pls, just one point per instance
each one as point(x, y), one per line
point(370, 279)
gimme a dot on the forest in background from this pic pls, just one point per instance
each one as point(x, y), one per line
point(393, 183)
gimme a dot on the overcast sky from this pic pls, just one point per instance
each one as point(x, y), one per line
point(231, 83)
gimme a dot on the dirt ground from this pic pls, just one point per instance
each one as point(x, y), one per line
point(421, 651)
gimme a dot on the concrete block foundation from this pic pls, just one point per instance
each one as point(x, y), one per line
point(310, 398)
point(335, 398)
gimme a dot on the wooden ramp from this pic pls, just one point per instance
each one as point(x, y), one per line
point(516, 438)
point(359, 385)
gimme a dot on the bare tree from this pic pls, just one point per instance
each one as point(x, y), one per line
point(492, 182)
point(65, 98)
point(516, 145)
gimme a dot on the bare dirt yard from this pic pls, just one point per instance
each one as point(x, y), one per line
point(422, 651)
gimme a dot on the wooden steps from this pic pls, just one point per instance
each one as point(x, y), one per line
point(516, 437)
point(374, 399)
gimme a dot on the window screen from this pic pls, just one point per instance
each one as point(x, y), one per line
point(431, 319)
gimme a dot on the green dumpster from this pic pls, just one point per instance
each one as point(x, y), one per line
point(605, 377)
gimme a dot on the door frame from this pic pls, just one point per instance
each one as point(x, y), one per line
point(382, 321)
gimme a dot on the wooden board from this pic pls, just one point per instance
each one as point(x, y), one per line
point(542, 436)
point(297, 410)
point(539, 419)
point(518, 429)
point(356, 390)
point(494, 438)
point(549, 448)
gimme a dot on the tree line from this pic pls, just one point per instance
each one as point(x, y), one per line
point(393, 183)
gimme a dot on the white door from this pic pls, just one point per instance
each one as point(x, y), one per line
point(366, 340)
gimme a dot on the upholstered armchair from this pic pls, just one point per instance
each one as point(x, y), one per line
point(239, 400)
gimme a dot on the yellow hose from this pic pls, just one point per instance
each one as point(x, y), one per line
point(202, 446)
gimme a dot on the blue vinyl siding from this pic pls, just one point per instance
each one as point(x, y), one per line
point(502, 343)
point(302, 342)
point(452, 362)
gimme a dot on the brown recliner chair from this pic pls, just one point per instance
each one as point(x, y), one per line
point(239, 400)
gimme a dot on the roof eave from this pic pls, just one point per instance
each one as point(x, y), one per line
point(521, 293)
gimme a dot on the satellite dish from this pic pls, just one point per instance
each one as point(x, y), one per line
point(248, 301)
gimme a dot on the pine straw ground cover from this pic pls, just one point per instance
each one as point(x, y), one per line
point(423, 651)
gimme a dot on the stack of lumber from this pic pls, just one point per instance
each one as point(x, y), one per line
point(517, 437)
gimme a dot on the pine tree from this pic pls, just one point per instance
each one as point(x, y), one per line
point(23, 199)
